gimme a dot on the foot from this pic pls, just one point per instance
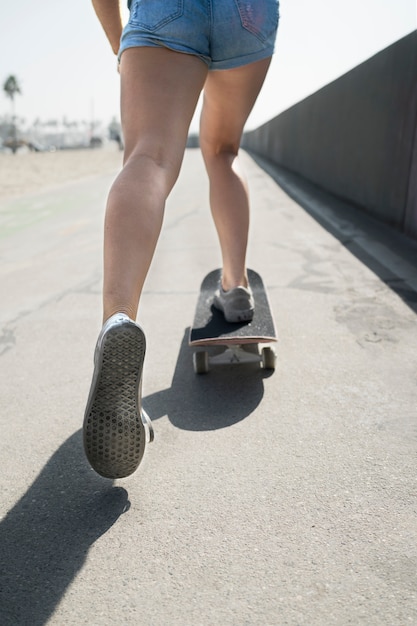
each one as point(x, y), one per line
point(237, 304)
point(116, 429)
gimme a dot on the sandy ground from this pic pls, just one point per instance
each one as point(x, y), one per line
point(29, 172)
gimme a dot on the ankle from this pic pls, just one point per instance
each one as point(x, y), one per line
point(109, 312)
point(231, 282)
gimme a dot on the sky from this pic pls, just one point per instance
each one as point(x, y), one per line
point(66, 68)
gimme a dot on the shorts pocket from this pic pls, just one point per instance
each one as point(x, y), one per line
point(154, 14)
point(259, 17)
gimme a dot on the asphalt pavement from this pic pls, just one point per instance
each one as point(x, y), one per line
point(284, 498)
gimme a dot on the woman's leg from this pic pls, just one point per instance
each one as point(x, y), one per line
point(159, 92)
point(229, 96)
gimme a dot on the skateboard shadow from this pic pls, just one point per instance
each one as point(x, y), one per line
point(45, 537)
point(221, 398)
point(216, 326)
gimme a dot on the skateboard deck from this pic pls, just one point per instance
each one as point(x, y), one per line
point(217, 341)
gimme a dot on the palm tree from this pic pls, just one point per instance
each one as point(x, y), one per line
point(11, 87)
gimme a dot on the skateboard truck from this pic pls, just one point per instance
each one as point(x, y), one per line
point(226, 355)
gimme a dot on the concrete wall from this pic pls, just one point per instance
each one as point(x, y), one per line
point(357, 137)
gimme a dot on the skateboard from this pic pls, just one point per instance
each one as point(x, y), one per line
point(217, 341)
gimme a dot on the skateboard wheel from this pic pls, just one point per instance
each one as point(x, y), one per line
point(268, 358)
point(201, 362)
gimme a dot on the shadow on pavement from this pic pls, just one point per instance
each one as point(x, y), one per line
point(224, 396)
point(45, 537)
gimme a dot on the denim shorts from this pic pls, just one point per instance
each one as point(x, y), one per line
point(223, 33)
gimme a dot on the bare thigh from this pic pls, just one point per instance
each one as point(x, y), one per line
point(159, 92)
point(229, 96)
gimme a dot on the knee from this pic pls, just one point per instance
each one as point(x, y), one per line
point(218, 152)
point(156, 154)
point(155, 162)
point(214, 146)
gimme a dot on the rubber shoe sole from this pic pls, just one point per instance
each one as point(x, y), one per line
point(116, 429)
